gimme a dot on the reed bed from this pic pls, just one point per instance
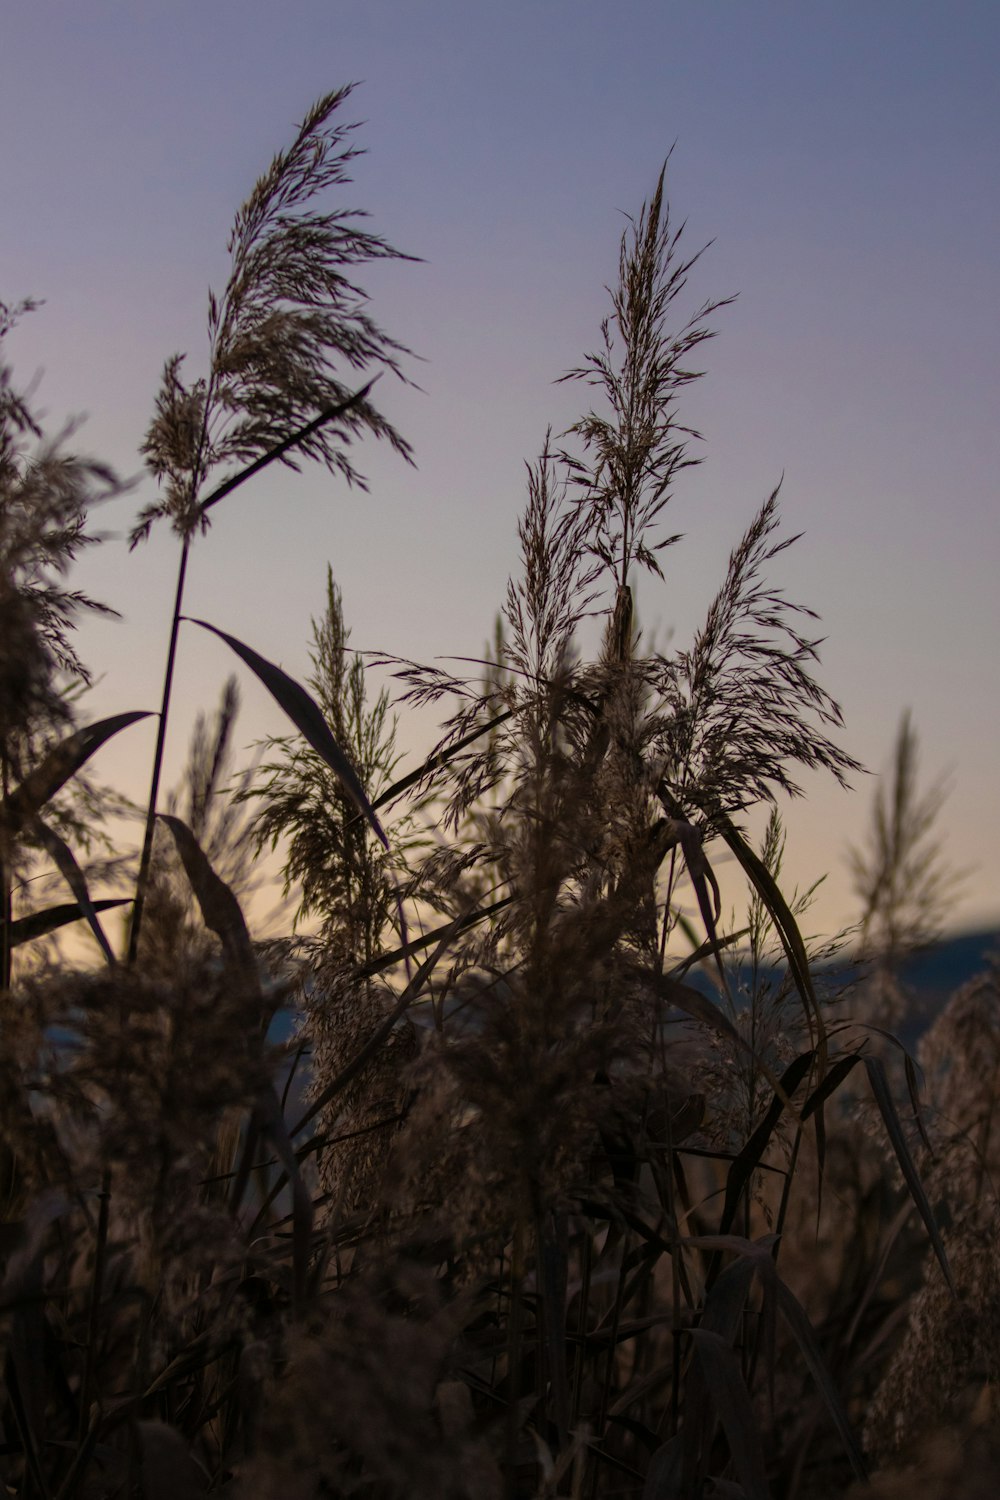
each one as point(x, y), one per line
point(560, 1184)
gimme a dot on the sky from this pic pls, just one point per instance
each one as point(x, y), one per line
point(841, 158)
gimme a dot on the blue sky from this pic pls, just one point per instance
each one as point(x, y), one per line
point(842, 158)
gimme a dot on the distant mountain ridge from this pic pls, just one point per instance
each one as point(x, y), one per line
point(938, 971)
point(929, 977)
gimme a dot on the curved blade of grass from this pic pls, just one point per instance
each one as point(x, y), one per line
point(721, 1315)
point(707, 949)
point(694, 1004)
point(682, 831)
point(883, 1098)
point(305, 714)
point(913, 1087)
point(727, 1297)
point(698, 1006)
point(245, 1166)
point(198, 1354)
point(702, 877)
point(912, 1082)
point(786, 927)
point(732, 1401)
point(794, 1315)
point(724, 1309)
point(748, 1160)
point(222, 913)
point(814, 1105)
point(736, 1242)
point(22, 1299)
point(280, 449)
point(388, 960)
point(62, 762)
point(663, 1477)
point(274, 1129)
point(65, 862)
point(41, 923)
point(219, 908)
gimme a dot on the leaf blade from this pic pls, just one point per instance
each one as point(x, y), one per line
point(883, 1098)
point(66, 863)
point(305, 714)
point(40, 923)
point(61, 762)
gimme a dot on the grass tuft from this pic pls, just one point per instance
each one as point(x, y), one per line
point(568, 1184)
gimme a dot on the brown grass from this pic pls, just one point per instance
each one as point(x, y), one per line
point(590, 1193)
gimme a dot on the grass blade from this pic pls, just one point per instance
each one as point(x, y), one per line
point(439, 759)
point(65, 862)
point(785, 926)
point(732, 1401)
point(883, 1098)
point(273, 1127)
point(700, 1008)
point(62, 762)
point(388, 960)
point(748, 1160)
point(221, 912)
point(280, 449)
point(305, 714)
point(219, 908)
point(51, 918)
point(663, 1477)
point(794, 1315)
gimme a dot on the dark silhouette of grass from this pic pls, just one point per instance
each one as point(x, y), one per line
point(551, 1218)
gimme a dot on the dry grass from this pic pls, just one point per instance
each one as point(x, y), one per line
point(578, 1202)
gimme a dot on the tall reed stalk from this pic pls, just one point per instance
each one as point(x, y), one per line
point(288, 317)
point(273, 455)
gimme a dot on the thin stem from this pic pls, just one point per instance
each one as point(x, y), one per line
point(600, 1433)
point(161, 735)
point(280, 449)
point(94, 1317)
point(226, 488)
point(6, 885)
point(514, 1357)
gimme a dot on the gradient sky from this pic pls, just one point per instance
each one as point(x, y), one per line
point(843, 157)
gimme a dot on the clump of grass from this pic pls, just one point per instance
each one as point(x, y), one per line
point(545, 1222)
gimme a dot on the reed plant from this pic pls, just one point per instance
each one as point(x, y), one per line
point(565, 1184)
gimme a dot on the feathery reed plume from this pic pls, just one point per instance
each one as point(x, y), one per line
point(45, 496)
point(342, 877)
point(288, 323)
point(959, 1341)
point(634, 456)
point(742, 699)
point(902, 880)
point(555, 1093)
point(330, 855)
